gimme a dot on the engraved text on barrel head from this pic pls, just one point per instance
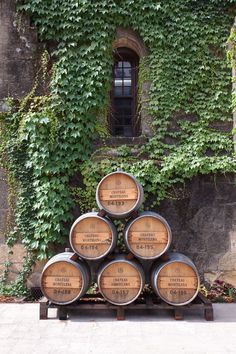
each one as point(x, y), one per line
point(118, 193)
point(91, 237)
point(177, 282)
point(148, 237)
point(62, 282)
point(120, 282)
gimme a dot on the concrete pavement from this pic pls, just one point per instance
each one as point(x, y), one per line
point(21, 332)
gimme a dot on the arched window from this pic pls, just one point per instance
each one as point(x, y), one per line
point(124, 113)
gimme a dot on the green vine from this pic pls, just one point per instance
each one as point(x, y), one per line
point(48, 139)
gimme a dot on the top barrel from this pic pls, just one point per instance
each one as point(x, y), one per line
point(119, 194)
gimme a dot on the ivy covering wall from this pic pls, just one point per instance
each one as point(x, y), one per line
point(46, 139)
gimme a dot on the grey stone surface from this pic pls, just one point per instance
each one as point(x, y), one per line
point(202, 221)
point(21, 332)
point(3, 220)
point(3, 195)
point(3, 205)
point(18, 52)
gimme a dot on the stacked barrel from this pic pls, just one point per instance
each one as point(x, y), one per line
point(120, 276)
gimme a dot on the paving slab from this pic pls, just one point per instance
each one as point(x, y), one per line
point(21, 332)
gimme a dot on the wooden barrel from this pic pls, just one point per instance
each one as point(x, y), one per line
point(119, 194)
point(148, 236)
point(121, 280)
point(93, 237)
point(64, 280)
point(176, 281)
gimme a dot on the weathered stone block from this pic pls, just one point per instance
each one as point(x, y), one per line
point(229, 277)
point(3, 253)
point(3, 174)
point(228, 262)
point(3, 195)
point(14, 271)
point(34, 280)
point(18, 50)
point(203, 227)
point(19, 253)
point(39, 265)
point(211, 277)
point(232, 235)
point(2, 237)
point(2, 269)
point(208, 219)
point(3, 220)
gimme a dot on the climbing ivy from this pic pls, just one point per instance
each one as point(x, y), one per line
point(48, 138)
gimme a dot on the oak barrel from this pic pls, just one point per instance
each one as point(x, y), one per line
point(148, 236)
point(93, 237)
point(119, 194)
point(64, 280)
point(176, 281)
point(120, 281)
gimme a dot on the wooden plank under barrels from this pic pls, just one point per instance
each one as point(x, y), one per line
point(61, 282)
point(91, 237)
point(118, 193)
point(177, 283)
point(120, 282)
point(148, 236)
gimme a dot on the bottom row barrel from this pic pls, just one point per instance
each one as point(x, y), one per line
point(120, 281)
point(176, 281)
point(65, 280)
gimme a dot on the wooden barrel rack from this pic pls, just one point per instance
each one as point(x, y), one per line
point(149, 302)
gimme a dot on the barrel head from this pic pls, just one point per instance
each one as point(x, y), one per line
point(61, 282)
point(120, 282)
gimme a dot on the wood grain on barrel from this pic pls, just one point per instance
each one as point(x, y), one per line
point(61, 282)
point(118, 193)
point(120, 282)
point(147, 237)
point(91, 237)
point(177, 282)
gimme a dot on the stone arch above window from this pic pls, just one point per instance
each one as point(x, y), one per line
point(130, 39)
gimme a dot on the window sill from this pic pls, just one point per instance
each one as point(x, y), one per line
point(116, 141)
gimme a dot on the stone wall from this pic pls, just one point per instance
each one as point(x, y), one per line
point(18, 251)
point(19, 50)
point(203, 222)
